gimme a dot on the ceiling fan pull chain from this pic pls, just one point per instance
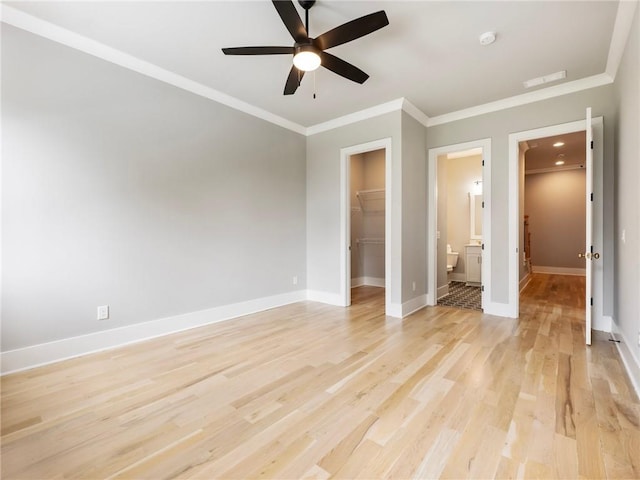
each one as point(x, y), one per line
point(314, 84)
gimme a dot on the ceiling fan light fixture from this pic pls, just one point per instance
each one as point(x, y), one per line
point(306, 58)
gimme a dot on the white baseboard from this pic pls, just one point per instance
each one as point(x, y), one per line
point(499, 310)
point(367, 281)
point(630, 361)
point(602, 324)
point(442, 291)
point(51, 352)
point(525, 281)
point(414, 305)
point(325, 297)
point(393, 310)
point(559, 270)
point(457, 277)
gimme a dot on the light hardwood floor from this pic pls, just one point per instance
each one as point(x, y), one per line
point(313, 391)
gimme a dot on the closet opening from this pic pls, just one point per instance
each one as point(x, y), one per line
point(367, 196)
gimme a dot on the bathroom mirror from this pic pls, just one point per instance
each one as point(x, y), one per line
point(475, 216)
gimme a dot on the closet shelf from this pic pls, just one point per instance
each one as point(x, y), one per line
point(370, 241)
point(371, 200)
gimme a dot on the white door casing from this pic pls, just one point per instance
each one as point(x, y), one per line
point(345, 218)
point(432, 219)
point(594, 212)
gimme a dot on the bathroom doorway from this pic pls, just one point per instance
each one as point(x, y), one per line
point(458, 225)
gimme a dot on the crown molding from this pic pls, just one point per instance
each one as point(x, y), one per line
point(29, 23)
point(623, 23)
point(415, 112)
point(620, 36)
point(560, 168)
point(526, 98)
point(355, 117)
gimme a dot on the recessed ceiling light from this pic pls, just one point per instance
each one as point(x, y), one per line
point(552, 77)
point(487, 38)
point(558, 144)
point(560, 162)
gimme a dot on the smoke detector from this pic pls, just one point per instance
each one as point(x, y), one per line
point(487, 38)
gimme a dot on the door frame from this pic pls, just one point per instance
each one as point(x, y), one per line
point(345, 217)
point(432, 218)
point(598, 320)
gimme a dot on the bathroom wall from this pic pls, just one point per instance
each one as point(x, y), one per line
point(367, 219)
point(461, 174)
point(555, 203)
point(442, 280)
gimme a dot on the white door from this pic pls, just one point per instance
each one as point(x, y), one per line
point(589, 255)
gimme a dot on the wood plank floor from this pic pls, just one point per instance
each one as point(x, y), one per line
point(314, 391)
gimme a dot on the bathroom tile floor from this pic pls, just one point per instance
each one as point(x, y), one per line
point(461, 296)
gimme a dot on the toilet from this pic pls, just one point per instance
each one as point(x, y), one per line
point(452, 259)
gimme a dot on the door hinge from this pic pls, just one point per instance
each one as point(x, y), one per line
point(591, 248)
point(591, 144)
point(482, 288)
point(483, 159)
point(482, 204)
point(483, 246)
point(592, 196)
point(592, 301)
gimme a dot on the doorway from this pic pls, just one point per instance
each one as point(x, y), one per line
point(470, 232)
point(366, 219)
point(367, 232)
point(552, 210)
point(517, 256)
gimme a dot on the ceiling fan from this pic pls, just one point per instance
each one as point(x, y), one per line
point(309, 53)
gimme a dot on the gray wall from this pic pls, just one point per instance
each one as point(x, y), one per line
point(118, 189)
point(498, 126)
point(414, 206)
point(555, 203)
point(627, 199)
point(442, 220)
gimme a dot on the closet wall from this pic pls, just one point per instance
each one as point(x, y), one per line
point(367, 218)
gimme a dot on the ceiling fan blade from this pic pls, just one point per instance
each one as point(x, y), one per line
point(293, 80)
point(352, 30)
point(258, 50)
point(342, 68)
point(291, 19)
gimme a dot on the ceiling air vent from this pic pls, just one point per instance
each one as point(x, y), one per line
point(552, 77)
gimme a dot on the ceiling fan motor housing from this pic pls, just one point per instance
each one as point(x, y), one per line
point(306, 4)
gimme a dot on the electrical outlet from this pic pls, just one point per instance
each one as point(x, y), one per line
point(295, 280)
point(103, 312)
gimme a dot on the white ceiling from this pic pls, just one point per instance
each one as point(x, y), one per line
point(429, 53)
